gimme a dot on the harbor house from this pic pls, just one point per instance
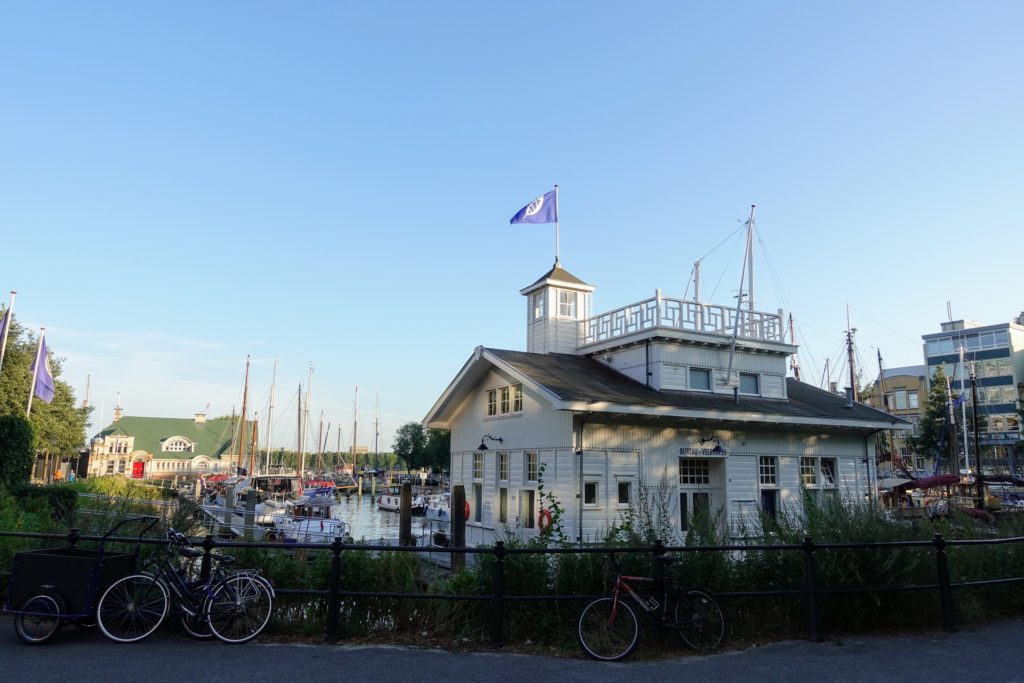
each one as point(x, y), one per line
point(667, 397)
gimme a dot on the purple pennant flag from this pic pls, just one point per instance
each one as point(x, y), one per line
point(43, 389)
point(543, 209)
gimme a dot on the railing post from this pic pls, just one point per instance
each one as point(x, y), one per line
point(945, 594)
point(813, 612)
point(333, 599)
point(498, 601)
point(73, 536)
point(204, 569)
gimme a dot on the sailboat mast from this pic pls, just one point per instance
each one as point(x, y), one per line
point(241, 428)
point(750, 259)
point(269, 417)
point(355, 422)
point(850, 331)
point(305, 419)
point(255, 444)
point(298, 430)
point(376, 430)
point(319, 444)
point(794, 360)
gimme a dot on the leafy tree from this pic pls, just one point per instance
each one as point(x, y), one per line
point(933, 421)
point(411, 444)
point(57, 427)
point(438, 449)
point(16, 454)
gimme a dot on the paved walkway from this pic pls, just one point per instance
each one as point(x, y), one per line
point(987, 653)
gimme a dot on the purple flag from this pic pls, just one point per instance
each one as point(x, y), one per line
point(44, 376)
point(543, 209)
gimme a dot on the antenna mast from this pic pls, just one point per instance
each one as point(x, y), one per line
point(850, 331)
point(794, 360)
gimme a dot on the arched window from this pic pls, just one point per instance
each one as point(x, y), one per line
point(178, 444)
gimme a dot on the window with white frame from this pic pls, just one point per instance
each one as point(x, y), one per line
point(625, 492)
point(566, 304)
point(478, 465)
point(768, 470)
point(809, 471)
point(478, 503)
point(750, 383)
point(503, 505)
point(538, 305)
point(829, 470)
point(590, 489)
point(506, 399)
point(177, 444)
point(532, 466)
point(492, 402)
point(700, 379)
point(503, 466)
point(517, 398)
point(693, 471)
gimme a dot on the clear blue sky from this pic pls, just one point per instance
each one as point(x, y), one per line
point(186, 183)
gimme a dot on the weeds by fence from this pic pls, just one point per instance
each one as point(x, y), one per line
point(531, 594)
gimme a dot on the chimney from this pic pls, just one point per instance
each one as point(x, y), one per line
point(849, 397)
point(200, 418)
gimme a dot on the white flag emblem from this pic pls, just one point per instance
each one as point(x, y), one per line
point(535, 206)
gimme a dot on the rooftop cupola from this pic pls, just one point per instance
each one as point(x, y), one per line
point(556, 304)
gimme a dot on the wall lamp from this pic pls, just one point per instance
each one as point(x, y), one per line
point(484, 438)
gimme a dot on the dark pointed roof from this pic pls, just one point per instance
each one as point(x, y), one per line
point(584, 383)
point(557, 274)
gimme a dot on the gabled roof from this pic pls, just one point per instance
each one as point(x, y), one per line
point(558, 275)
point(581, 383)
point(212, 438)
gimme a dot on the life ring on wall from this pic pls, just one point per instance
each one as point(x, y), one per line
point(465, 512)
point(544, 519)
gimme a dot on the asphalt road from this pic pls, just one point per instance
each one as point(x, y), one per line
point(986, 653)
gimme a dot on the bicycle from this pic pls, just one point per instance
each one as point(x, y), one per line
point(608, 628)
point(235, 606)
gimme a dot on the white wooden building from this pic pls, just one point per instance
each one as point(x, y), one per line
point(599, 406)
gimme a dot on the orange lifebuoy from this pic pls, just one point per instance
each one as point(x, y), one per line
point(544, 519)
point(465, 512)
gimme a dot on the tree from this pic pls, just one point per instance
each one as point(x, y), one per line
point(16, 454)
point(439, 449)
point(57, 427)
point(933, 421)
point(410, 444)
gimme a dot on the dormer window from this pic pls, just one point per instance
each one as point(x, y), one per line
point(749, 383)
point(178, 444)
point(567, 304)
point(538, 305)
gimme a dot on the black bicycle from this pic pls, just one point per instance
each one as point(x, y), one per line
point(608, 628)
point(235, 606)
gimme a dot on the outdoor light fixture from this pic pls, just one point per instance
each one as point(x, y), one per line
point(483, 444)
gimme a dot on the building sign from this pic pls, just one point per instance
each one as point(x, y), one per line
point(705, 446)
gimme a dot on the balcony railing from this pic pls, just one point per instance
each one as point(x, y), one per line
point(680, 314)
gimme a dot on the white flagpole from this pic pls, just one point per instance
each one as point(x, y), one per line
point(35, 372)
point(7, 328)
point(556, 225)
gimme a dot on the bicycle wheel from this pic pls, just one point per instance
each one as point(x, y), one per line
point(239, 608)
point(700, 620)
point(196, 626)
point(132, 608)
point(43, 621)
point(608, 631)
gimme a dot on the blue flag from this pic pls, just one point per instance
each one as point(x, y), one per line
point(3, 325)
point(44, 376)
point(959, 400)
point(543, 209)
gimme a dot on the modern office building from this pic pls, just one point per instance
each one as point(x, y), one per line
point(996, 353)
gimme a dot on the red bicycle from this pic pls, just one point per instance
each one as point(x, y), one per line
point(608, 628)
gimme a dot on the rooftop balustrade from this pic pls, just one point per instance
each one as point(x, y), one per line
point(683, 315)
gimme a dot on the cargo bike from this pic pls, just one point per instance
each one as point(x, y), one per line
point(56, 586)
point(105, 589)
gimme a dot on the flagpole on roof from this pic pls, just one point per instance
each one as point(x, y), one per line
point(8, 319)
point(35, 372)
point(556, 224)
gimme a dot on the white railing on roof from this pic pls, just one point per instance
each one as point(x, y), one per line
point(680, 314)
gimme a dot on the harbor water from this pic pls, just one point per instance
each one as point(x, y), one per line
point(373, 526)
